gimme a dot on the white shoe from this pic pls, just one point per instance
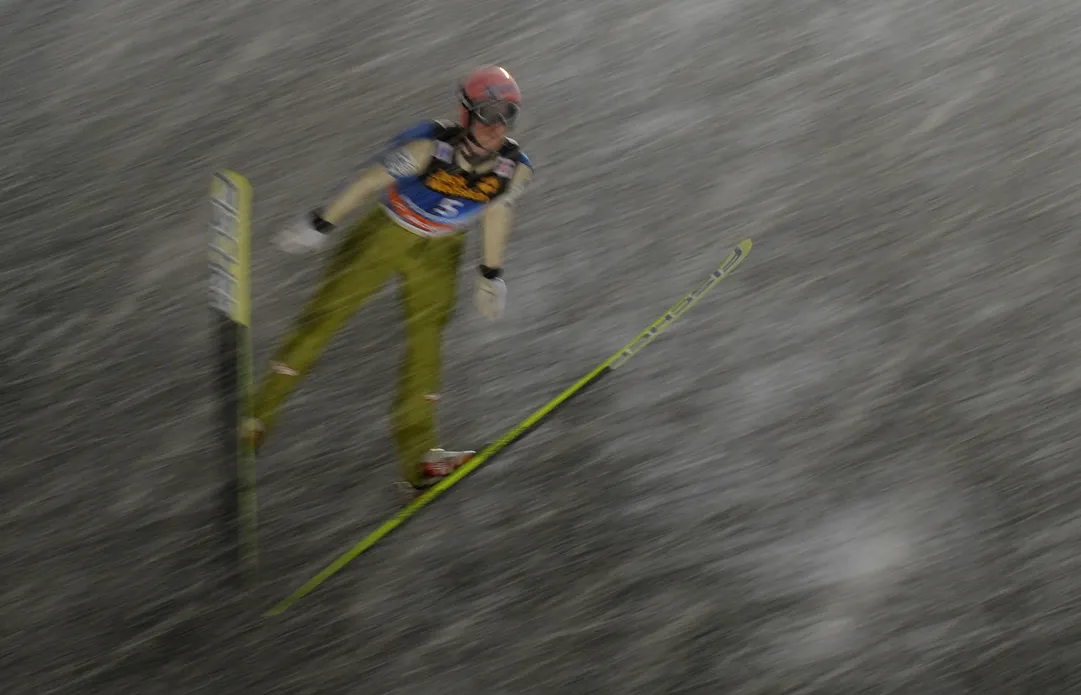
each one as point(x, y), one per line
point(252, 431)
point(439, 463)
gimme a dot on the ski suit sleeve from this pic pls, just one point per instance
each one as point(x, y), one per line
point(499, 217)
point(409, 159)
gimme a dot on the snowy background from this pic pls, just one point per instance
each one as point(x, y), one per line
point(852, 469)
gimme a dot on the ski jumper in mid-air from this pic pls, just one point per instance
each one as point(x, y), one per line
point(432, 182)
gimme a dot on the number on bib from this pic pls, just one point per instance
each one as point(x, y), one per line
point(448, 207)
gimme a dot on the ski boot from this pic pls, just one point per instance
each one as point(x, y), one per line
point(252, 431)
point(434, 466)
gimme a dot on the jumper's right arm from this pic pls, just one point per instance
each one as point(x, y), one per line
point(408, 160)
point(311, 232)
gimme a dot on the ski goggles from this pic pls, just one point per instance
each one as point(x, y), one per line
point(495, 112)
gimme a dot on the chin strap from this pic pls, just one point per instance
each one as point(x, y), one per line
point(474, 158)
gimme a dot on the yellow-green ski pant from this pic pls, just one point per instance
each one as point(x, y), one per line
point(373, 250)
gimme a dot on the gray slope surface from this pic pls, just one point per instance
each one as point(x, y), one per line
point(853, 468)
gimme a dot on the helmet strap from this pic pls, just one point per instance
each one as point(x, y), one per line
point(477, 154)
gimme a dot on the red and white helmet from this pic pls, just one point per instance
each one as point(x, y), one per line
point(490, 95)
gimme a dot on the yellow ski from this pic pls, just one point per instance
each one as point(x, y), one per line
point(230, 306)
point(738, 253)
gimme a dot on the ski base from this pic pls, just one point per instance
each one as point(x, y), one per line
point(230, 309)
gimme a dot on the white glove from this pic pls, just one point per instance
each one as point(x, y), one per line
point(301, 237)
point(490, 296)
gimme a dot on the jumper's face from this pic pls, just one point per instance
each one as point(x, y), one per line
point(488, 136)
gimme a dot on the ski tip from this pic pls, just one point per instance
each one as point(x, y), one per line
point(230, 178)
point(231, 174)
point(735, 257)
